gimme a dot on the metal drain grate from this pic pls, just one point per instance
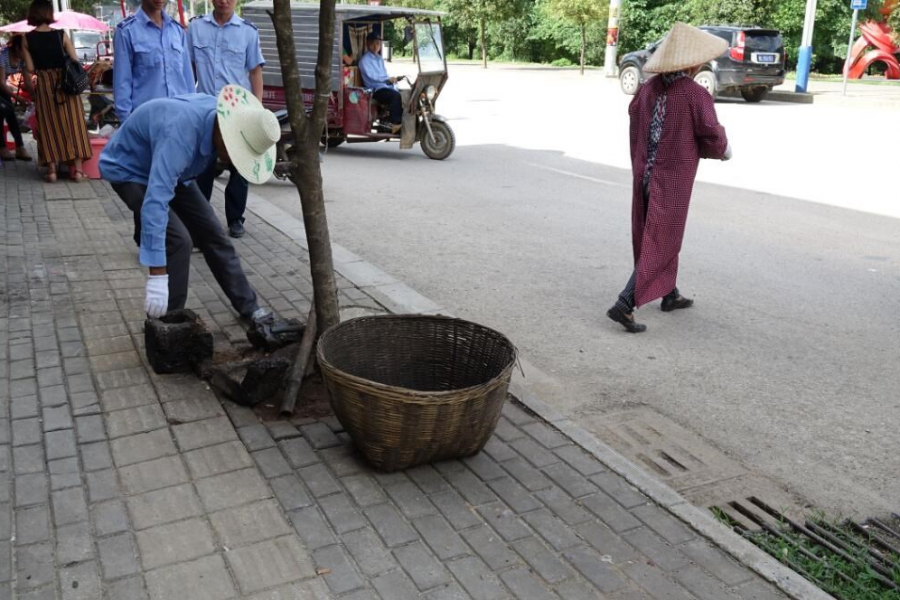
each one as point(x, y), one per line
point(848, 559)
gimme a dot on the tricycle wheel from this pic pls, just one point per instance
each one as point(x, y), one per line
point(443, 144)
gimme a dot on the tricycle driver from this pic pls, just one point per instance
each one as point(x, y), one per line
point(375, 77)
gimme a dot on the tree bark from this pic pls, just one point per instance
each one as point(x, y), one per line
point(301, 364)
point(482, 27)
point(583, 45)
point(307, 131)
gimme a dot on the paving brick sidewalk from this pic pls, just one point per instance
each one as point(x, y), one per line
point(118, 483)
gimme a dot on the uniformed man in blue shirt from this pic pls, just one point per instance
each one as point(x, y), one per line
point(375, 77)
point(151, 162)
point(225, 50)
point(152, 59)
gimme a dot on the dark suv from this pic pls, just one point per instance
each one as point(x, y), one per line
point(753, 63)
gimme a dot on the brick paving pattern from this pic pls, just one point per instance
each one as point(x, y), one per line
point(117, 483)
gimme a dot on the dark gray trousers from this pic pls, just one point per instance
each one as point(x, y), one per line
point(192, 222)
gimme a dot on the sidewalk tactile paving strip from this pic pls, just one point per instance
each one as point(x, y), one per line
point(125, 484)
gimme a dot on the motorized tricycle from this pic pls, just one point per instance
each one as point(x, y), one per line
point(353, 114)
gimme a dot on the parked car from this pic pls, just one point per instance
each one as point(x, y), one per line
point(753, 64)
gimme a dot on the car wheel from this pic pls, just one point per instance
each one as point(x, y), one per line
point(630, 80)
point(707, 79)
point(754, 94)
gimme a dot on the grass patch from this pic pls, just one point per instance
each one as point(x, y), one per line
point(852, 572)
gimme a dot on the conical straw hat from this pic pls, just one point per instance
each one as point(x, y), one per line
point(685, 47)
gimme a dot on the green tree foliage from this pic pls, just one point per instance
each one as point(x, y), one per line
point(580, 13)
point(481, 14)
point(15, 10)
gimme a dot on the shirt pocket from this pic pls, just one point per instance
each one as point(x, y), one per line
point(147, 57)
point(203, 52)
point(176, 47)
point(234, 57)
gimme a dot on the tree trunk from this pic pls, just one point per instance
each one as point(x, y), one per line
point(307, 130)
point(482, 27)
point(472, 44)
point(583, 45)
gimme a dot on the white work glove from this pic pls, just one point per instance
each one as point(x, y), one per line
point(156, 300)
point(728, 153)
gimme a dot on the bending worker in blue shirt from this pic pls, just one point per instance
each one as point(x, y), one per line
point(225, 49)
point(375, 77)
point(152, 61)
point(151, 162)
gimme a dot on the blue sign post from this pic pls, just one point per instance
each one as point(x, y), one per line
point(804, 58)
point(856, 5)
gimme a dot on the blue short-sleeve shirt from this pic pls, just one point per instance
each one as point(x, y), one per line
point(223, 54)
point(151, 62)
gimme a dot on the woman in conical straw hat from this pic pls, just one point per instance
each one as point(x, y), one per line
point(673, 126)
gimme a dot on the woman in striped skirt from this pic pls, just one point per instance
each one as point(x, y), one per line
point(62, 132)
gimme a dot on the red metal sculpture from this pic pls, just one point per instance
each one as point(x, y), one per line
point(878, 37)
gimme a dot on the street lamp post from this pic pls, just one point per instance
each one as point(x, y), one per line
point(612, 38)
point(804, 59)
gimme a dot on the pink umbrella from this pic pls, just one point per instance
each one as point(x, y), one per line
point(67, 19)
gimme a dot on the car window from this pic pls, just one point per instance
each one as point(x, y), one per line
point(83, 39)
point(767, 41)
point(725, 35)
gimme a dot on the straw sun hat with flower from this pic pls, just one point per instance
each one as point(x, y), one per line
point(249, 132)
point(685, 47)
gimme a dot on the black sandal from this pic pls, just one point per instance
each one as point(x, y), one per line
point(674, 300)
point(626, 320)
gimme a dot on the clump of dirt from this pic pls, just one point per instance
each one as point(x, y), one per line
point(312, 403)
point(177, 342)
point(253, 374)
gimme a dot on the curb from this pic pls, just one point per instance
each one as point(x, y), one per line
point(398, 297)
point(794, 97)
point(776, 96)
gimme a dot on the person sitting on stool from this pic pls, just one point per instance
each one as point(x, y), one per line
point(375, 77)
point(151, 162)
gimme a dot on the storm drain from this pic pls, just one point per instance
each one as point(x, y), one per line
point(852, 560)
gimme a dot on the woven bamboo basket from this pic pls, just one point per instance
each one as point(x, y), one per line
point(412, 389)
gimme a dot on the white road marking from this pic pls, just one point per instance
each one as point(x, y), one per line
point(579, 176)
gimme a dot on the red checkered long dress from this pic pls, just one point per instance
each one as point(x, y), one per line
point(691, 131)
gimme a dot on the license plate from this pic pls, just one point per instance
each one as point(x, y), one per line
point(765, 59)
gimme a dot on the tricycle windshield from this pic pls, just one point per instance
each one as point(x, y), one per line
point(430, 45)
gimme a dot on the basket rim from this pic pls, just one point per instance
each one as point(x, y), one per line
point(407, 392)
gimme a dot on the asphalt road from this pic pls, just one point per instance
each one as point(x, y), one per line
point(790, 360)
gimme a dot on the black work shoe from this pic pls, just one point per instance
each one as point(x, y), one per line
point(626, 320)
point(270, 332)
point(262, 316)
point(674, 301)
point(236, 229)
